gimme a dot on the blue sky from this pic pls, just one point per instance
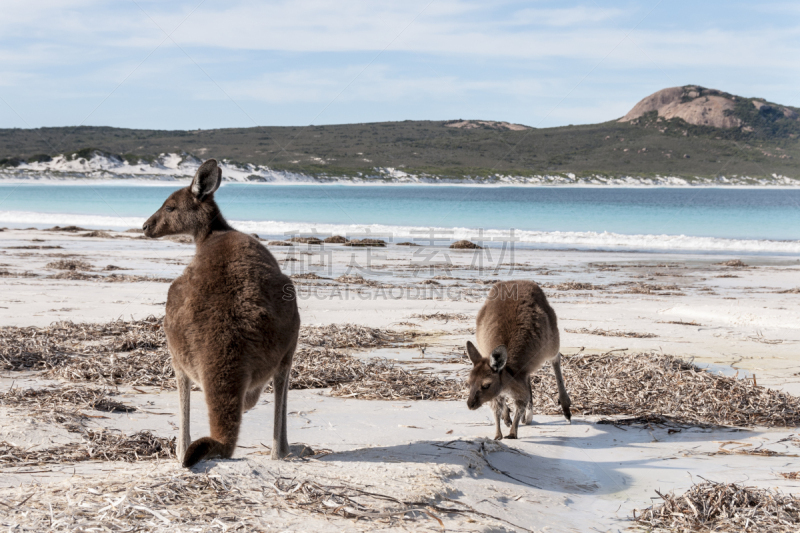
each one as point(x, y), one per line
point(211, 64)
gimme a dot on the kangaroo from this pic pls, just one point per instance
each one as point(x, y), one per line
point(518, 329)
point(229, 327)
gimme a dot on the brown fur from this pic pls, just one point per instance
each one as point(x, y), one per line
point(518, 330)
point(231, 322)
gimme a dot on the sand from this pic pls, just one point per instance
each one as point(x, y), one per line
point(555, 477)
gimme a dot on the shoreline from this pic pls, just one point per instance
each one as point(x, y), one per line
point(168, 180)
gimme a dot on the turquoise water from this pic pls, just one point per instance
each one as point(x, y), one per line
point(643, 218)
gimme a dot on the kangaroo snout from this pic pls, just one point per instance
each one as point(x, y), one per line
point(473, 403)
point(148, 226)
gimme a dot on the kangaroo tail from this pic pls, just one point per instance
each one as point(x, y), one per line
point(206, 448)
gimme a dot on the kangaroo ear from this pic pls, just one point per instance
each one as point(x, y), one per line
point(473, 353)
point(206, 180)
point(498, 359)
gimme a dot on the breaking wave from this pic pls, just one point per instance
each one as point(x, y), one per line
point(581, 240)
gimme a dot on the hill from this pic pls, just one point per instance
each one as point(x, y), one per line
point(685, 131)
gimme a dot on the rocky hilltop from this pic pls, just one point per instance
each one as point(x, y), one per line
point(700, 106)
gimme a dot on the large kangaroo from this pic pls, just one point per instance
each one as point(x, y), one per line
point(229, 327)
point(519, 330)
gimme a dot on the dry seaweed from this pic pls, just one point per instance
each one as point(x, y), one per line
point(366, 242)
point(135, 353)
point(652, 420)
point(574, 286)
point(94, 446)
point(657, 384)
point(11, 274)
point(69, 229)
point(346, 336)
point(279, 243)
point(69, 264)
point(745, 448)
point(603, 267)
point(612, 333)
point(633, 385)
point(683, 323)
point(335, 239)
point(733, 263)
point(132, 278)
point(307, 275)
point(445, 317)
point(186, 501)
point(648, 288)
point(374, 379)
point(74, 275)
point(34, 247)
point(111, 278)
point(711, 506)
point(63, 404)
point(356, 279)
point(795, 290)
point(381, 380)
point(114, 353)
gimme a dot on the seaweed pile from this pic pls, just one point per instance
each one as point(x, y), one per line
point(713, 506)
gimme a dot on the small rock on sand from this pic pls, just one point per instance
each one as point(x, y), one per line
point(99, 234)
point(306, 240)
point(465, 245)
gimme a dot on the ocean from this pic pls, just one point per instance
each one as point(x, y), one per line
point(699, 220)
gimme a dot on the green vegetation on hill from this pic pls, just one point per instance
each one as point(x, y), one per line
point(647, 146)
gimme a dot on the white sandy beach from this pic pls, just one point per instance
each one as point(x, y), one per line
point(555, 477)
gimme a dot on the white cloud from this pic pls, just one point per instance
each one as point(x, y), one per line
point(449, 56)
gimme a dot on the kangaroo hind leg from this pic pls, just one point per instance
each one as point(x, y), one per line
point(184, 399)
point(519, 408)
point(527, 417)
point(280, 386)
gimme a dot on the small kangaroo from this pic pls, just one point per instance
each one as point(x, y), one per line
point(229, 327)
point(519, 329)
